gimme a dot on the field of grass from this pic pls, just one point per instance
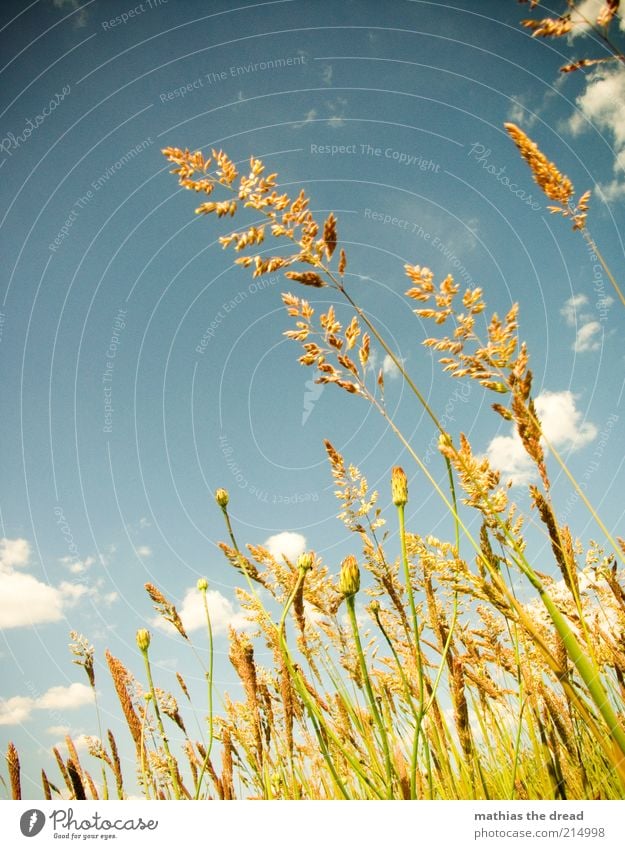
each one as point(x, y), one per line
point(416, 673)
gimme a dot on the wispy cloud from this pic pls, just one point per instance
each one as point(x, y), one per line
point(588, 331)
point(77, 566)
point(82, 16)
point(334, 114)
point(389, 369)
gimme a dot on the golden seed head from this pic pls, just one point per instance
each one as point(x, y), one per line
point(222, 498)
point(143, 639)
point(305, 561)
point(399, 486)
point(349, 579)
point(202, 585)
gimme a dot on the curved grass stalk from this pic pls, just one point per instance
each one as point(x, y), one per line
point(202, 587)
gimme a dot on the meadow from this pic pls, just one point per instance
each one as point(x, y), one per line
point(452, 687)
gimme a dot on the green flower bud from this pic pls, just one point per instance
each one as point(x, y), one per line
point(349, 579)
point(143, 639)
point(222, 498)
point(202, 585)
point(305, 561)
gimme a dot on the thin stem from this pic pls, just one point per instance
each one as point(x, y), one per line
point(173, 771)
point(301, 689)
point(351, 611)
point(417, 642)
point(209, 678)
point(105, 788)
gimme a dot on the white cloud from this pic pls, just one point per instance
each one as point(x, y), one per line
point(221, 610)
point(562, 425)
point(562, 422)
point(64, 698)
point(389, 368)
point(222, 613)
point(286, 544)
point(587, 10)
point(15, 710)
point(571, 306)
point(603, 104)
point(588, 330)
point(27, 601)
point(13, 552)
point(586, 338)
point(18, 709)
point(506, 453)
point(144, 551)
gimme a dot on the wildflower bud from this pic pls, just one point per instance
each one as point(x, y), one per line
point(374, 607)
point(143, 639)
point(148, 697)
point(349, 579)
point(222, 498)
point(305, 561)
point(399, 486)
point(202, 585)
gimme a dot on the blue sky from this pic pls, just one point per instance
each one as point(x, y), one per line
point(141, 369)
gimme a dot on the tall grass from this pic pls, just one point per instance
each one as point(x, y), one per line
point(421, 676)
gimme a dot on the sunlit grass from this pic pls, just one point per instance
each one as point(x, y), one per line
point(413, 674)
